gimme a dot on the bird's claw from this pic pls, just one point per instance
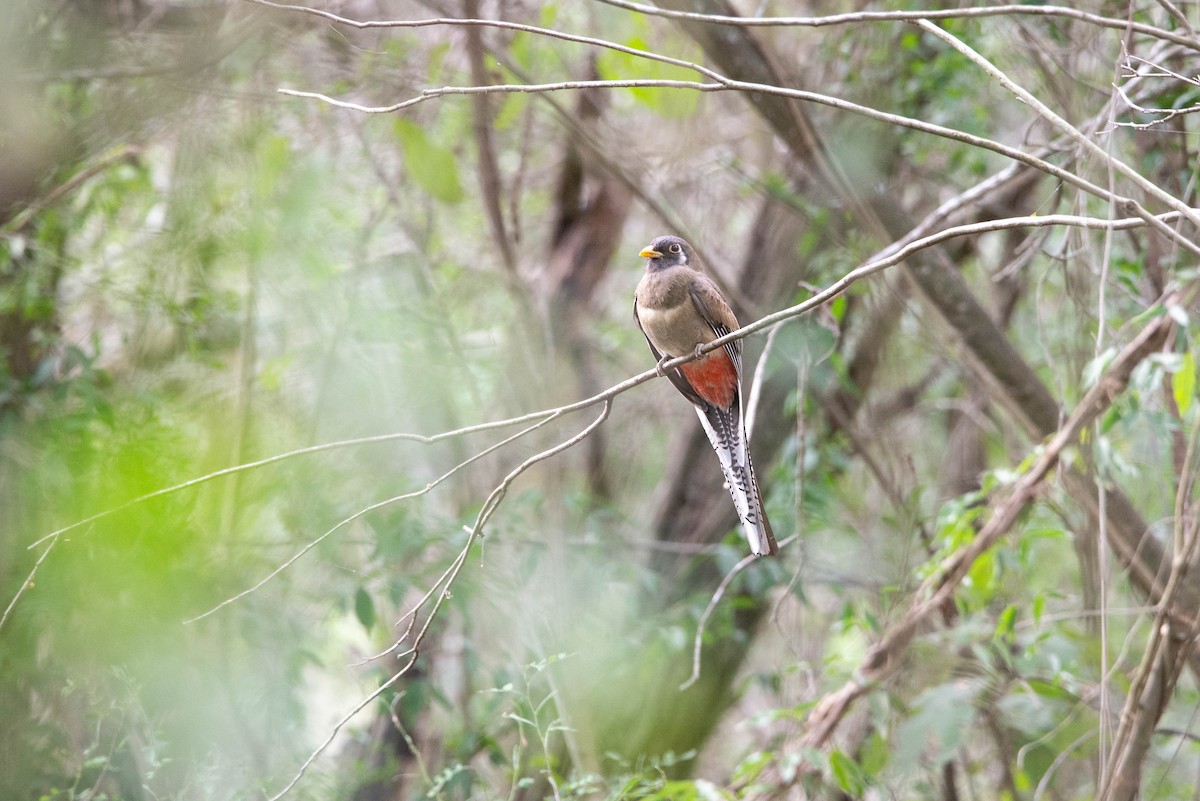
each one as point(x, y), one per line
point(658, 368)
point(699, 351)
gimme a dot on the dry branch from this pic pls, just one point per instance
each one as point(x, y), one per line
point(856, 17)
point(818, 299)
point(886, 655)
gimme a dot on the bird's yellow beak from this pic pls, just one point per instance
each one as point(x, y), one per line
point(649, 253)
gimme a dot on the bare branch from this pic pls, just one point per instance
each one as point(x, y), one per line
point(308, 451)
point(1167, 114)
point(337, 727)
point(855, 17)
point(1166, 651)
point(441, 589)
point(1044, 111)
point(491, 23)
point(884, 657)
point(833, 290)
point(728, 84)
point(717, 595)
point(27, 583)
point(361, 512)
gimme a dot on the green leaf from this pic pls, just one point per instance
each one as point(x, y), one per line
point(430, 165)
point(1183, 383)
point(941, 714)
point(874, 754)
point(1007, 624)
point(847, 773)
point(364, 608)
point(1096, 367)
point(837, 307)
point(274, 158)
point(666, 102)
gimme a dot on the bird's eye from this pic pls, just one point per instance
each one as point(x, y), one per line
point(675, 248)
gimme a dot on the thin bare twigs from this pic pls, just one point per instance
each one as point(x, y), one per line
point(27, 583)
point(490, 23)
point(884, 657)
point(530, 88)
point(717, 595)
point(855, 17)
point(1166, 650)
point(308, 451)
point(833, 290)
point(1044, 111)
point(439, 592)
point(1166, 114)
point(756, 382)
point(379, 505)
point(728, 84)
point(337, 727)
point(763, 22)
point(723, 83)
point(745, 562)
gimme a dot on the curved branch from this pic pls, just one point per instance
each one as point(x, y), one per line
point(833, 290)
point(361, 512)
point(728, 84)
point(1046, 113)
point(440, 589)
point(884, 657)
point(490, 23)
point(854, 17)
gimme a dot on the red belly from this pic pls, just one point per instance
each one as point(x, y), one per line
point(713, 377)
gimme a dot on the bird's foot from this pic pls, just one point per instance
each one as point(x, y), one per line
point(659, 367)
point(699, 350)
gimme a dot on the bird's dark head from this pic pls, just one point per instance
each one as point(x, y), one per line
point(668, 251)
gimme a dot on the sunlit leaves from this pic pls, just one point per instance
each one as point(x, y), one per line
point(1183, 383)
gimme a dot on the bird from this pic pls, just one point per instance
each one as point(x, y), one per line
point(679, 309)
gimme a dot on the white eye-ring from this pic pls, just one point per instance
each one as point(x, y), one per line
point(675, 248)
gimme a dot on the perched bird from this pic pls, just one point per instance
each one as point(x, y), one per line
point(679, 309)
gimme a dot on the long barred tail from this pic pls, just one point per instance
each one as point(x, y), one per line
point(728, 437)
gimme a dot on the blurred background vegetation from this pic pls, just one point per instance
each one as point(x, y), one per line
point(198, 272)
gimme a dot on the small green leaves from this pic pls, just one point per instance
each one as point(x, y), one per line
point(430, 165)
point(847, 773)
point(1183, 383)
point(364, 608)
point(666, 102)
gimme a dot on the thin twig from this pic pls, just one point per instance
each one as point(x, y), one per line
point(885, 656)
point(830, 292)
point(361, 512)
point(728, 84)
point(443, 588)
point(337, 727)
point(490, 23)
point(856, 17)
point(708, 610)
point(756, 382)
point(308, 451)
point(717, 595)
point(1046, 113)
point(27, 583)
